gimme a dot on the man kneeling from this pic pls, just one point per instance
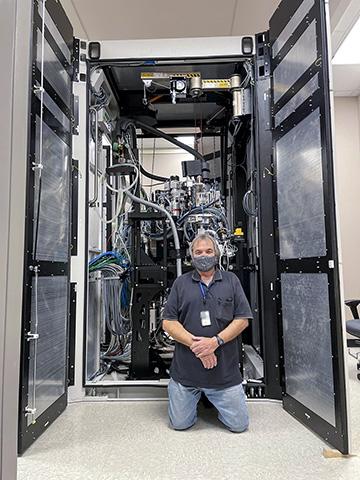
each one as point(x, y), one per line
point(205, 313)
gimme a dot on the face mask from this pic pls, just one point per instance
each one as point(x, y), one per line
point(205, 263)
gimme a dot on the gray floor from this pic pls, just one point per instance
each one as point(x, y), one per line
point(131, 440)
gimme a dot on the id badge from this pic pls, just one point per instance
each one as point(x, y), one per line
point(205, 318)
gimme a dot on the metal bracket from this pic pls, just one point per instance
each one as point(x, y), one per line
point(37, 166)
point(35, 269)
point(29, 411)
point(267, 109)
point(32, 336)
point(354, 355)
point(38, 89)
point(76, 60)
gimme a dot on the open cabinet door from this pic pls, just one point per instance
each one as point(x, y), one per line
point(43, 376)
point(309, 287)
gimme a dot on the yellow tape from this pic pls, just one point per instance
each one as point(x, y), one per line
point(192, 75)
point(168, 75)
point(216, 83)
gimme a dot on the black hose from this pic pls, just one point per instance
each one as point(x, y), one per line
point(151, 175)
point(169, 138)
point(158, 133)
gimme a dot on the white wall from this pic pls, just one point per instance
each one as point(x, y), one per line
point(167, 160)
point(347, 148)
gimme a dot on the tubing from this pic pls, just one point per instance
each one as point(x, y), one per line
point(92, 202)
point(172, 224)
point(151, 175)
point(196, 210)
point(169, 138)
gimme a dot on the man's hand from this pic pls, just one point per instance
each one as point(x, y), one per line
point(203, 346)
point(210, 361)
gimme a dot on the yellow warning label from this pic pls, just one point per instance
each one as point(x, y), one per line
point(154, 75)
point(168, 75)
point(216, 83)
point(191, 75)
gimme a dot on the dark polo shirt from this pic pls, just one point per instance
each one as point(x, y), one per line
point(225, 300)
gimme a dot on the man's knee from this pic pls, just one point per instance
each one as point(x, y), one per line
point(175, 425)
point(236, 424)
point(239, 428)
point(180, 418)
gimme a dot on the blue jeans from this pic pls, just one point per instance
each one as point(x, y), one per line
point(229, 402)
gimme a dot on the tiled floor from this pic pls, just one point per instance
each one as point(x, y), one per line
point(131, 440)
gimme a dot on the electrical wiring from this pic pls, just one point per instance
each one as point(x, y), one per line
point(250, 200)
point(250, 210)
point(107, 258)
point(205, 209)
point(154, 184)
point(172, 224)
point(122, 189)
point(124, 357)
point(114, 290)
point(118, 238)
point(183, 221)
point(144, 172)
point(160, 339)
point(103, 370)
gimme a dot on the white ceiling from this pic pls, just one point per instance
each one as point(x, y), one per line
point(145, 19)
point(140, 19)
point(346, 79)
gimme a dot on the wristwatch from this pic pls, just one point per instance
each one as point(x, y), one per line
point(220, 341)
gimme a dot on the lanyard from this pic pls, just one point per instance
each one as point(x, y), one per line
point(203, 292)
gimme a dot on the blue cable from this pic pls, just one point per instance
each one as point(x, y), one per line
point(116, 256)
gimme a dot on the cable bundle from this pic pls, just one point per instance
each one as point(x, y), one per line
point(111, 259)
point(114, 290)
